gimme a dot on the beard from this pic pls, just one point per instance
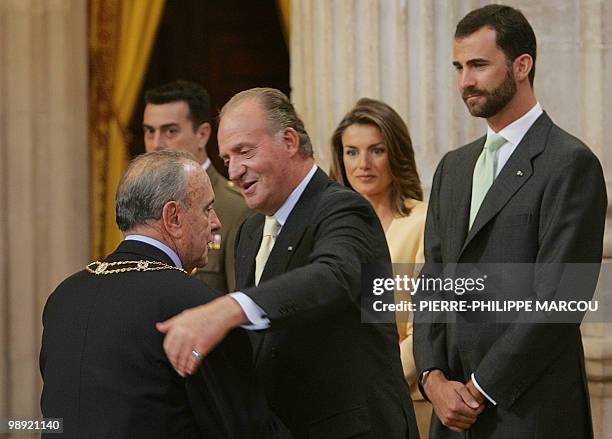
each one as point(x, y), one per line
point(494, 101)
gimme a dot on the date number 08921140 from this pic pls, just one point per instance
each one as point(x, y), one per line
point(49, 425)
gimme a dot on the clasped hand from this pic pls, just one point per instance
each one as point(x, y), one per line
point(457, 405)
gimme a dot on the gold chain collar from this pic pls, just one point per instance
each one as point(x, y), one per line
point(98, 267)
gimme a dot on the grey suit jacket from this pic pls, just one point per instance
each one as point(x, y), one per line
point(546, 206)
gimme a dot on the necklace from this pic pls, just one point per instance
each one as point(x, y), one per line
point(98, 267)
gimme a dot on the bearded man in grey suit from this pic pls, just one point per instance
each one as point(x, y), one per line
point(527, 192)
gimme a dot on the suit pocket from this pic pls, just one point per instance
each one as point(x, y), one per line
point(346, 424)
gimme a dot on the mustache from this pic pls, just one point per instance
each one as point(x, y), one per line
point(473, 91)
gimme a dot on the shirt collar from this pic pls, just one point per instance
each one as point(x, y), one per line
point(206, 164)
point(157, 244)
point(282, 214)
point(515, 132)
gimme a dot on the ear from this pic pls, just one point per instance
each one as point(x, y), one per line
point(172, 219)
point(291, 139)
point(522, 65)
point(203, 133)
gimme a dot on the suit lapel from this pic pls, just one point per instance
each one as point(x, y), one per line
point(247, 251)
point(462, 195)
point(514, 174)
point(286, 242)
point(249, 240)
point(294, 228)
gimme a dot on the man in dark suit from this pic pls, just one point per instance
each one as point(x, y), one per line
point(177, 117)
point(299, 267)
point(527, 192)
point(102, 362)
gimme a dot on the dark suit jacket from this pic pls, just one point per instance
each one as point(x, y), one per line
point(231, 210)
point(546, 206)
point(104, 368)
point(326, 374)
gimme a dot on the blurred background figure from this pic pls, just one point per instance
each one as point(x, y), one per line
point(177, 117)
point(372, 154)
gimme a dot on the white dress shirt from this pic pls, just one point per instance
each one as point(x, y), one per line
point(257, 316)
point(513, 134)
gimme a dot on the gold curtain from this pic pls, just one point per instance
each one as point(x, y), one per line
point(284, 9)
point(122, 33)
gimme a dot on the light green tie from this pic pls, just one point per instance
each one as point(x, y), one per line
point(270, 230)
point(484, 173)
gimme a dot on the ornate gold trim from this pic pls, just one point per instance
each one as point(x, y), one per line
point(99, 267)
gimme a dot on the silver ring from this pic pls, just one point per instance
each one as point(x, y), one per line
point(196, 355)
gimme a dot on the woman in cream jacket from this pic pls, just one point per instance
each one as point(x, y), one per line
point(372, 154)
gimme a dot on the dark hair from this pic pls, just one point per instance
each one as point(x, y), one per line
point(193, 94)
point(406, 181)
point(514, 34)
point(150, 181)
point(279, 111)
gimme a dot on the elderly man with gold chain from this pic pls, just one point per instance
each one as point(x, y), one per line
point(102, 361)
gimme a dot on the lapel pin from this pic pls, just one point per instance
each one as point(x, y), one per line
point(519, 173)
point(290, 248)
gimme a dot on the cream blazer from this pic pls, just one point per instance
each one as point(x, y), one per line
point(405, 237)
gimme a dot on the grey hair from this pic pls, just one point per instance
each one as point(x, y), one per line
point(279, 111)
point(150, 181)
